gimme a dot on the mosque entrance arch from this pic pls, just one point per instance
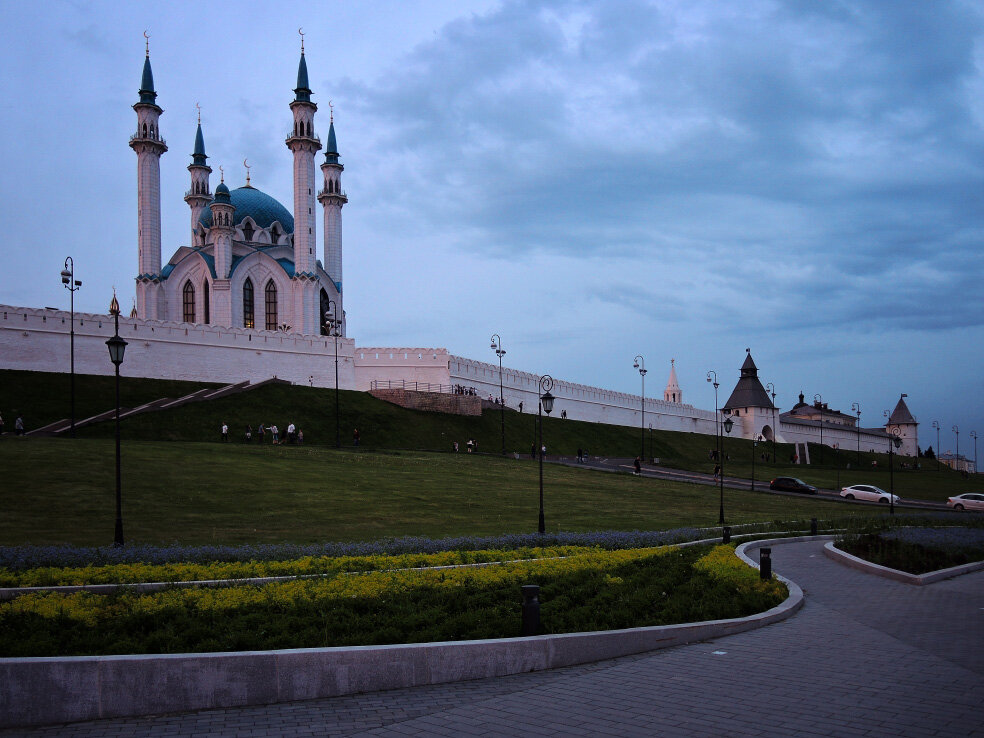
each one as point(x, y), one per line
point(767, 433)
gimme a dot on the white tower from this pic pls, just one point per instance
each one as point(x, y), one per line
point(332, 199)
point(304, 144)
point(148, 146)
point(223, 218)
point(673, 393)
point(199, 195)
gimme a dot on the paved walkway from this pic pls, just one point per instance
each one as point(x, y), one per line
point(864, 657)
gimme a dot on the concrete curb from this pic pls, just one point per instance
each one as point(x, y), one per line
point(842, 557)
point(40, 691)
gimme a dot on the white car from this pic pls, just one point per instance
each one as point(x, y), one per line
point(868, 492)
point(969, 501)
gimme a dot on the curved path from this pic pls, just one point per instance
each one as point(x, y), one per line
point(864, 657)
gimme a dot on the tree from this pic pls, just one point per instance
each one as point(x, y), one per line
point(930, 454)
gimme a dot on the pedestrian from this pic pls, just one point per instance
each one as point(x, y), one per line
point(225, 433)
point(470, 445)
point(249, 433)
point(19, 426)
point(300, 437)
point(275, 433)
point(543, 451)
point(456, 447)
point(291, 434)
point(259, 434)
point(638, 465)
point(580, 455)
point(355, 437)
point(520, 407)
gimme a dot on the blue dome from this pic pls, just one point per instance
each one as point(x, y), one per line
point(259, 206)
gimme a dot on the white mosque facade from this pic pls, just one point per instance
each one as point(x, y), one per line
point(248, 299)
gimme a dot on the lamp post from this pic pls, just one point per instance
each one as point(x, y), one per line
point(545, 405)
point(936, 424)
point(713, 378)
point(331, 318)
point(117, 347)
point(819, 405)
point(973, 434)
point(651, 457)
point(728, 423)
point(72, 285)
point(754, 447)
point(895, 443)
point(956, 456)
point(500, 352)
point(856, 407)
point(772, 391)
point(640, 364)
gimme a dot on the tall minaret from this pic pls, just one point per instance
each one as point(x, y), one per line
point(673, 393)
point(332, 198)
point(198, 196)
point(149, 146)
point(223, 218)
point(305, 145)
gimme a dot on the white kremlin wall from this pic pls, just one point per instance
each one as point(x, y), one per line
point(37, 339)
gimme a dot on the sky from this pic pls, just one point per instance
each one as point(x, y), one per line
point(590, 180)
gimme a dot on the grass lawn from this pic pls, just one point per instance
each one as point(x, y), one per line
point(62, 491)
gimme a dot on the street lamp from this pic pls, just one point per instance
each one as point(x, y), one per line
point(332, 322)
point(856, 407)
point(728, 423)
point(896, 442)
point(500, 352)
point(772, 391)
point(713, 377)
point(117, 347)
point(72, 285)
point(936, 424)
point(755, 442)
point(973, 434)
point(956, 456)
point(640, 364)
point(546, 406)
point(819, 405)
point(651, 457)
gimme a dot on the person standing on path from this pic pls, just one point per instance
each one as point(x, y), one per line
point(19, 426)
point(638, 465)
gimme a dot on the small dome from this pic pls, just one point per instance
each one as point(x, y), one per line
point(259, 206)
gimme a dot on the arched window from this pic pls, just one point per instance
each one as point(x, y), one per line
point(248, 231)
point(270, 301)
point(324, 313)
point(188, 302)
point(274, 234)
point(309, 129)
point(206, 312)
point(248, 321)
point(145, 130)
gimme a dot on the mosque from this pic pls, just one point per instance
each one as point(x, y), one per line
point(248, 299)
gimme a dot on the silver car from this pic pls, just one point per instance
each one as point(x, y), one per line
point(968, 501)
point(868, 492)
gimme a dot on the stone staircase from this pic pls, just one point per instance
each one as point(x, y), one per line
point(163, 403)
point(434, 402)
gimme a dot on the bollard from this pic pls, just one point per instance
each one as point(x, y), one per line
point(765, 563)
point(531, 609)
point(813, 526)
point(726, 534)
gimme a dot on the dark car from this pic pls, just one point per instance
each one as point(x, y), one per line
point(792, 484)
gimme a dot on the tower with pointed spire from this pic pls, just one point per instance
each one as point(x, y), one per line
point(304, 144)
point(332, 198)
point(199, 195)
point(749, 403)
point(902, 423)
point(149, 147)
point(673, 393)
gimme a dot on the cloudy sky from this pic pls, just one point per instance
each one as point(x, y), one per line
point(590, 180)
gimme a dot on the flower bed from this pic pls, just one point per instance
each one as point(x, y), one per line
point(587, 590)
point(917, 550)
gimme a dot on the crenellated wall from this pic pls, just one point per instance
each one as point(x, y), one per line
point(37, 339)
point(581, 402)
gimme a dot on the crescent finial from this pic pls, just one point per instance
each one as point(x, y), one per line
point(301, 32)
point(199, 108)
point(331, 109)
point(247, 172)
point(222, 173)
point(146, 41)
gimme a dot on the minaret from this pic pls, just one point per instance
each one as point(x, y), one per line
point(149, 146)
point(198, 196)
point(223, 218)
point(305, 145)
point(673, 393)
point(332, 198)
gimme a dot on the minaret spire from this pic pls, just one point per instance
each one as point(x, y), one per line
point(304, 144)
point(199, 196)
point(332, 198)
point(149, 147)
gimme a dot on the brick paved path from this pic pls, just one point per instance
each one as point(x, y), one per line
point(864, 657)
